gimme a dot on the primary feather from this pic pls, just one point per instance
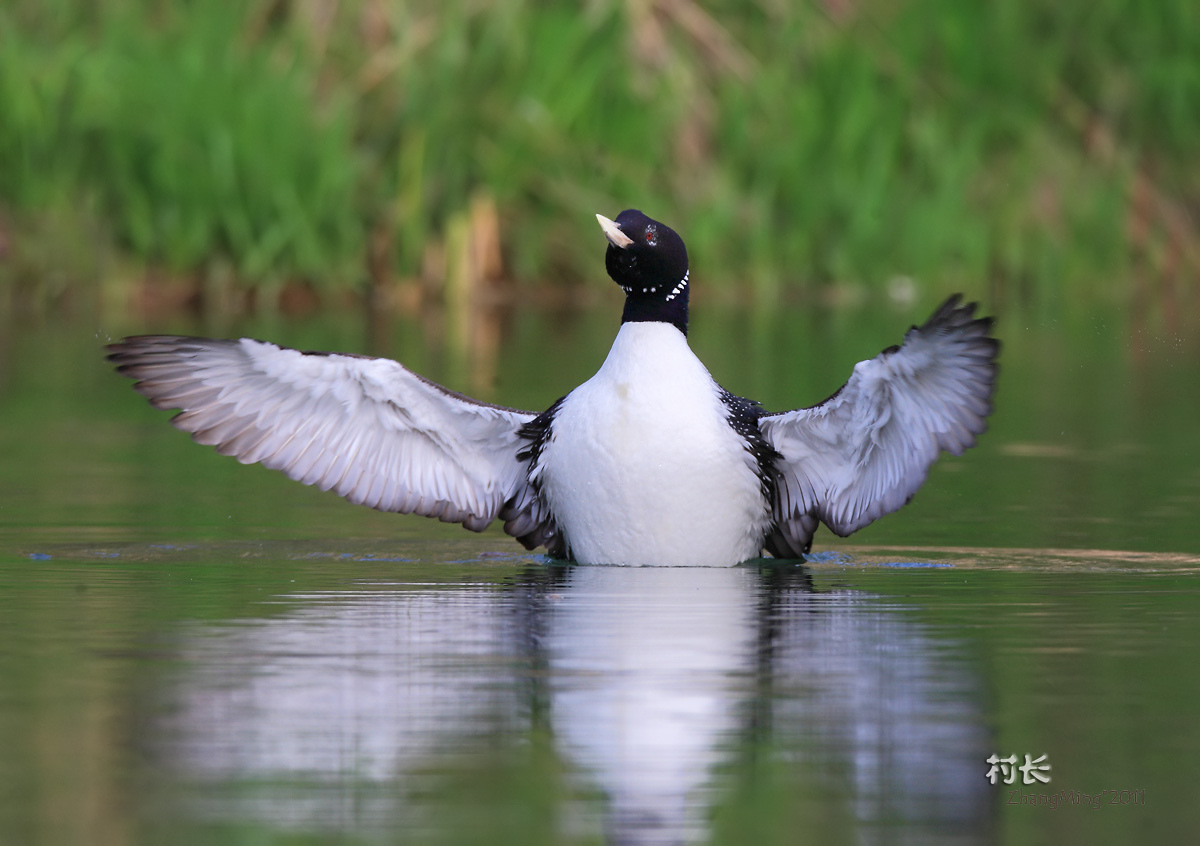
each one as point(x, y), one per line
point(866, 450)
point(366, 428)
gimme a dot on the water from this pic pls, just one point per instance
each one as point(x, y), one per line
point(192, 651)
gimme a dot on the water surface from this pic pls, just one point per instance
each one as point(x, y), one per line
point(194, 651)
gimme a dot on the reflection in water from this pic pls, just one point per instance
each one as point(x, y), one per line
point(362, 686)
point(880, 703)
point(648, 676)
point(653, 680)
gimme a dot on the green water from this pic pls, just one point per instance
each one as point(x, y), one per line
point(193, 651)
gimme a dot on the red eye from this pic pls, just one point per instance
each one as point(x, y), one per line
point(651, 235)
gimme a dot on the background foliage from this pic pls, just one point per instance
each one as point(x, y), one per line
point(1040, 146)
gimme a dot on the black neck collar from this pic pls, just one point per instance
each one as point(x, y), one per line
point(644, 310)
point(654, 305)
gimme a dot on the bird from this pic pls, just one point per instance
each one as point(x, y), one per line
point(650, 462)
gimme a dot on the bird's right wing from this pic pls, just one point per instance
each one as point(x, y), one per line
point(367, 428)
point(864, 451)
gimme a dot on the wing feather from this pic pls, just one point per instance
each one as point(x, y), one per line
point(366, 428)
point(866, 450)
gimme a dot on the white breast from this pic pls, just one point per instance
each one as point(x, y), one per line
point(642, 466)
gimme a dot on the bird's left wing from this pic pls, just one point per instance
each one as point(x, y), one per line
point(367, 428)
point(866, 450)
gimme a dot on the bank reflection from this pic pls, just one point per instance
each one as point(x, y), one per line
point(655, 684)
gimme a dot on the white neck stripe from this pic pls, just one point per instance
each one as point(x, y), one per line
point(678, 289)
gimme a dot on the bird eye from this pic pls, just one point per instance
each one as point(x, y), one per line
point(651, 235)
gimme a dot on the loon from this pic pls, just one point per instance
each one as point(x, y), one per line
point(648, 463)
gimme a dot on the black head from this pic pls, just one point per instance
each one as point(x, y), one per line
point(648, 260)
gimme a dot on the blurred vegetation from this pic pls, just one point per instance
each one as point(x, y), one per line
point(1034, 147)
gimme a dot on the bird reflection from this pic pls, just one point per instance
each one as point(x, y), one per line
point(653, 683)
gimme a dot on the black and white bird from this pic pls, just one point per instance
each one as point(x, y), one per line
point(649, 462)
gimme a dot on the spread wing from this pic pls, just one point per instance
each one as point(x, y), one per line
point(366, 428)
point(866, 450)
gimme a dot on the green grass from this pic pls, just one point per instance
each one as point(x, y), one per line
point(1031, 147)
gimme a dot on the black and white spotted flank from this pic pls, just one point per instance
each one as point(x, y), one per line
point(649, 462)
